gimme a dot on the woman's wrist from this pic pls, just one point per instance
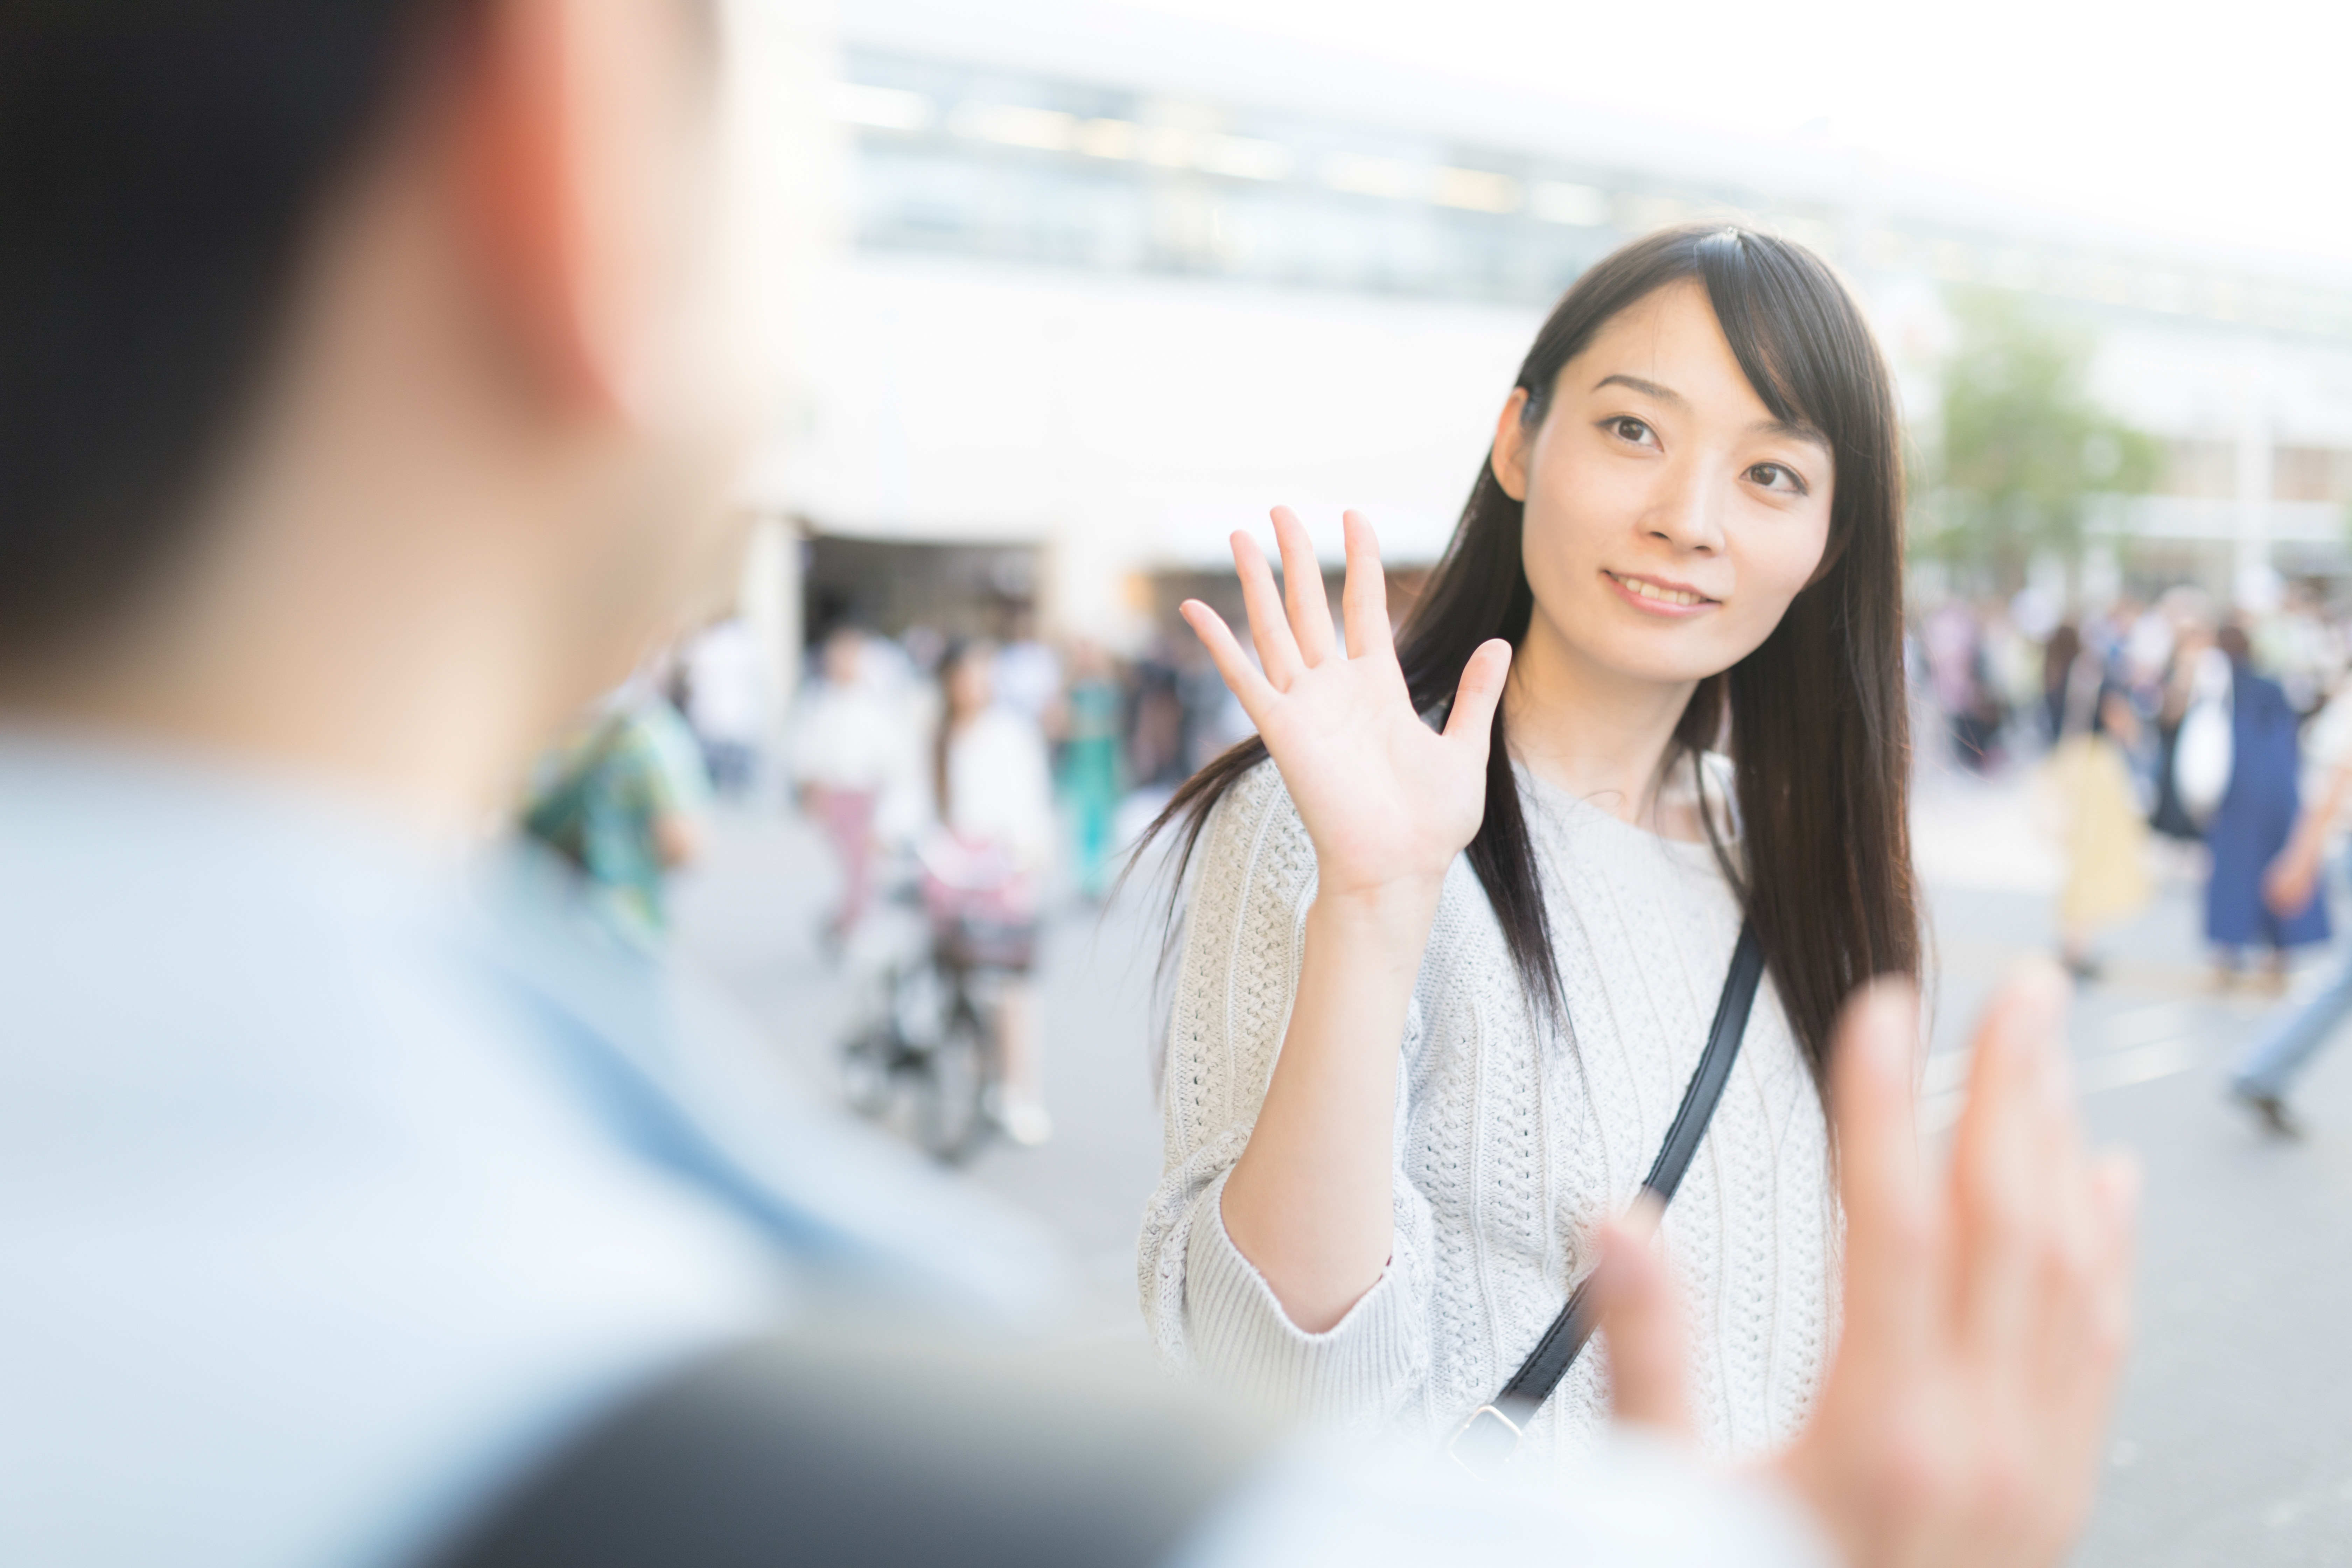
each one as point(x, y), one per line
point(1393, 916)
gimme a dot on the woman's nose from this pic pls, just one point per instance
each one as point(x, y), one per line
point(1688, 515)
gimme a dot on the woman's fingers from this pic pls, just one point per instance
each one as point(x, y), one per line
point(1269, 628)
point(1472, 722)
point(1893, 1314)
point(1644, 1323)
point(1302, 586)
point(1364, 598)
point(2009, 1157)
point(1251, 689)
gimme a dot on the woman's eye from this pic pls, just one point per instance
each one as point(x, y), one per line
point(1627, 429)
point(1776, 476)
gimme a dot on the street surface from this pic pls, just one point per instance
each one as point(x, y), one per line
point(2231, 1444)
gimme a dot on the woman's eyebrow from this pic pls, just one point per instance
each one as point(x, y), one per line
point(1647, 388)
point(1790, 430)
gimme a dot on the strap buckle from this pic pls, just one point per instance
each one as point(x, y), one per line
point(1483, 1444)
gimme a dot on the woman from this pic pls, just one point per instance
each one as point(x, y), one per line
point(2092, 728)
point(992, 839)
point(847, 751)
point(1488, 956)
point(2251, 822)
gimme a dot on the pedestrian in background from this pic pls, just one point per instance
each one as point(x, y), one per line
point(2288, 1041)
point(1028, 673)
point(2188, 783)
point(985, 856)
point(1091, 710)
point(1959, 673)
point(2092, 724)
point(623, 801)
point(726, 703)
point(850, 750)
point(2252, 821)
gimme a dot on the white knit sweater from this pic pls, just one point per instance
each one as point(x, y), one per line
point(1513, 1139)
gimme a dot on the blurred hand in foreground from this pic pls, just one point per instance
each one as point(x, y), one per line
point(1986, 1313)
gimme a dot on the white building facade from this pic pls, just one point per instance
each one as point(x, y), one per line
point(1096, 304)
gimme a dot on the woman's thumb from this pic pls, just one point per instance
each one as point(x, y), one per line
point(1481, 688)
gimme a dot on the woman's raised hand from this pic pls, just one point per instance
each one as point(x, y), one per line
point(1388, 800)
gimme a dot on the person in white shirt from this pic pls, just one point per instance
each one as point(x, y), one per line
point(850, 746)
point(726, 703)
point(985, 855)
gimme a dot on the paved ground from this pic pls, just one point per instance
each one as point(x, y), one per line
point(2233, 1442)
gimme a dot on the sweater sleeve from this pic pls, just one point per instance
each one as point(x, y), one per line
point(1208, 1308)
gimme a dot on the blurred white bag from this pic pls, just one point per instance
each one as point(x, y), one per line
point(2205, 751)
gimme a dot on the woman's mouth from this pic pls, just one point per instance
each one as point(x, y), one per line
point(1656, 596)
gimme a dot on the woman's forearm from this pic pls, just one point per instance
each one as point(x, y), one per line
point(1309, 1204)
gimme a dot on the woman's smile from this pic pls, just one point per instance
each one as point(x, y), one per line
point(1656, 596)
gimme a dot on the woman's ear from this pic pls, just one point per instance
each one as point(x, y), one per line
point(1509, 456)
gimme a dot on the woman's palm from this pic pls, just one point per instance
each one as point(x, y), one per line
point(1387, 800)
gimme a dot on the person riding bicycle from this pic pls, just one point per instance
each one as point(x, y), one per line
point(987, 847)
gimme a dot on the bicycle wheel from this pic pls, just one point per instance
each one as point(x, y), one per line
point(951, 1119)
point(868, 1064)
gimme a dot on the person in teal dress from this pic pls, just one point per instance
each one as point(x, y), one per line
point(1090, 764)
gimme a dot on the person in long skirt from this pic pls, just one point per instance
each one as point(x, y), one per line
point(2104, 834)
point(2251, 825)
point(2292, 1036)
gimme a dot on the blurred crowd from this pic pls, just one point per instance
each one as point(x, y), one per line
point(2173, 732)
point(979, 778)
point(2173, 735)
point(1043, 757)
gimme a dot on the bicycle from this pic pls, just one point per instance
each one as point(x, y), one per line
point(930, 1060)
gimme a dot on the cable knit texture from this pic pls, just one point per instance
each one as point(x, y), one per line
point(1513, 1139)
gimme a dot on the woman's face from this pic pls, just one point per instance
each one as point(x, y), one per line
point(1670, 517)
point(971, 685)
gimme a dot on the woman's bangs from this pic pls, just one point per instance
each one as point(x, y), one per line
point(1780, 315)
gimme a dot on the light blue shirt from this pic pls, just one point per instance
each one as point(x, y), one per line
point(342, 1175)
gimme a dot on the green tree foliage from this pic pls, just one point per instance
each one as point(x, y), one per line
point(2023, 447)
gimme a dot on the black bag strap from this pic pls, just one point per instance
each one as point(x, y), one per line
point(1487, 1438)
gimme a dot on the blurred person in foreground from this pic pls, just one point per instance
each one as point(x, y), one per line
point(988, 846)
point(2286, 1044)
point(623, 799)
point(850, 747)
point(358, 1207)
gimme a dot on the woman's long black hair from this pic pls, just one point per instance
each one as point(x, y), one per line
point(1816, 715)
